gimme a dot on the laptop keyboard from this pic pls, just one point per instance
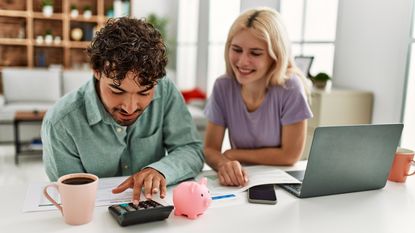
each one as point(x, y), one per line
point(299, 175)
point(296, 187)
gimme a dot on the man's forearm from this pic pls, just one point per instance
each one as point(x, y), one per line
point(182, 163)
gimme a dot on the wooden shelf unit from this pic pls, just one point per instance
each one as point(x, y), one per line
point(22, 21)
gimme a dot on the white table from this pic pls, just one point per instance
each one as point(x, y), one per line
point(391, 210)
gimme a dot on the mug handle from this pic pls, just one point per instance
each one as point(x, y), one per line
point(413, 173)
point(45, 192)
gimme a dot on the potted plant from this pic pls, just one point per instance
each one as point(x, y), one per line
point(160, 23)
point(74, 11)
point(57, 40)
point(47, 7)
point(110, 12)
point(39, 39)
point(321, 81)
point(48, 36)
point(87, 12)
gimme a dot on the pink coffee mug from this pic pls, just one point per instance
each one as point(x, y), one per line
point(78, 193)
point(401, 165)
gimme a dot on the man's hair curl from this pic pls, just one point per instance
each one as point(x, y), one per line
point(127, 44)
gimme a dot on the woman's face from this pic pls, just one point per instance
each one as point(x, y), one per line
point(249, 58)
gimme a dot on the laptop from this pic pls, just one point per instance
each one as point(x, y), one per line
point(346, 159)
point(304, 64)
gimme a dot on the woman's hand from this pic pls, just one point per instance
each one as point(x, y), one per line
point(231, 173)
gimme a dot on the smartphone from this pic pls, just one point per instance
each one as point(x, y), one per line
point(263, 194)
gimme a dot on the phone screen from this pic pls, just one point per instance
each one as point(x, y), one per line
point(264, 194)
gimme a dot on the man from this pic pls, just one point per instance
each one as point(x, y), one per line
point(128, 120)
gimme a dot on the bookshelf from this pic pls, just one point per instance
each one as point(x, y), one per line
point(23, 27)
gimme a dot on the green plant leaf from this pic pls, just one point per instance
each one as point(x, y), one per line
point(321, 77)
point(160, 23)
point(47, 3)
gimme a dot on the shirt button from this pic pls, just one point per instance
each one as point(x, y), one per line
point(119, 130)
point(126, 166)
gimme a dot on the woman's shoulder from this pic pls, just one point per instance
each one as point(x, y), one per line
point(224, 82)
point(293, 82)
point(224, 79)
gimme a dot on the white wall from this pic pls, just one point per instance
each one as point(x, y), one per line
point(247, 4)
point(162, 8)
point(371, 48)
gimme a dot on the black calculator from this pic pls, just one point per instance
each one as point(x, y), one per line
point(146, 211)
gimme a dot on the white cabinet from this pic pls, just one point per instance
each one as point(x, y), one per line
point(338, 107)
point(341, 107)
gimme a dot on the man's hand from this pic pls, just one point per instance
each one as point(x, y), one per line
point(231, 173)
point(150, 179)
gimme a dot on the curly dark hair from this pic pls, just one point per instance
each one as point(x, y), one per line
point(126, 44)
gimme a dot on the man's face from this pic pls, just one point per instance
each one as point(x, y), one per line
point(125, 102)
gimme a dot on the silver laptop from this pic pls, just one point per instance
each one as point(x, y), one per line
point(347, 159)
point(304, 64)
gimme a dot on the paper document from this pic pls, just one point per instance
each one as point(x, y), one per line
point(36, 201)
point(257, 175)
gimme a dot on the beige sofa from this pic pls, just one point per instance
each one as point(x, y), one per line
point(29, 89)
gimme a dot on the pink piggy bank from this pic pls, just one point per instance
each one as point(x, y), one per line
point(191, 198)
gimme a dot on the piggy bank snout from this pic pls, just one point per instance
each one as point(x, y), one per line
point(207, 202)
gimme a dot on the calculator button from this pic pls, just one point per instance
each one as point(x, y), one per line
point(142, 205)
point(153, 203)
point(130, 208)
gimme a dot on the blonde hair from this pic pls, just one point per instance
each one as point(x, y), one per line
point(266, 24)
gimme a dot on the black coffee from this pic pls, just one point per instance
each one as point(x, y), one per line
point(78, 181)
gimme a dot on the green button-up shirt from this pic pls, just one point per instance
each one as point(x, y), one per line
point(78, 135)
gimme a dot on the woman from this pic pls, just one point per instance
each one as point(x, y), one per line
point(261, 100)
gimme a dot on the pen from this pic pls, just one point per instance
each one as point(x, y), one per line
point(223, 196)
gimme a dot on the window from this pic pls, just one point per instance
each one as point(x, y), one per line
point(220, 21)
point(312, 29)
point(187, 30)
point(203, 28)
point(201, 41)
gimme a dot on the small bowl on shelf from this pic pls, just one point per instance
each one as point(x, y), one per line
point(39, 39)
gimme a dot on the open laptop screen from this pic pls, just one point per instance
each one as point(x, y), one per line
point(304, 64)
point(352, 158)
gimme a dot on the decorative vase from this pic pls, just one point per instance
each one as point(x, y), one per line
point(87, 14)
point(47, 10)
point(74, 13)
point(323, 85)
point(76, 34)
point(48, 39)
point(57, 40)
point(320, 84)
point(39, 39)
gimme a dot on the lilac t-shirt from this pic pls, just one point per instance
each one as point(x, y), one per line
point(283, 105)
